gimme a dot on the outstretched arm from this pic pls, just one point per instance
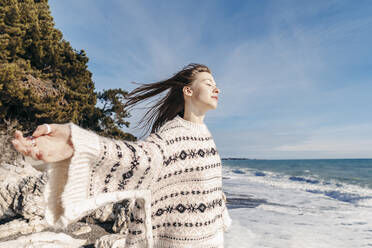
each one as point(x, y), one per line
point(95, 172)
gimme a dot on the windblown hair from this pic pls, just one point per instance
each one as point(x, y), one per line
point(169, 106)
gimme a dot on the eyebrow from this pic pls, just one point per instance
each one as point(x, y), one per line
point(207, 79)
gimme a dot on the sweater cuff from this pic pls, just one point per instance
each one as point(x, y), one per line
point(225, 215)
point(68, 180)
point(226, 220)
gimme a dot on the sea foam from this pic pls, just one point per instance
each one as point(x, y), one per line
point(280, 211)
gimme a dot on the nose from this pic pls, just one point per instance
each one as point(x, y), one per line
point(216, 90)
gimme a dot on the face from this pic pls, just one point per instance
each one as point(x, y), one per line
point(204, 92)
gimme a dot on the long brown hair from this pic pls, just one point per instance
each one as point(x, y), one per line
point(172, 103)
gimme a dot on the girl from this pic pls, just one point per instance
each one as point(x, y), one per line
point(174, 174)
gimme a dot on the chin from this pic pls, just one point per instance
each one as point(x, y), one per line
point(210, 106)
point(213, 107)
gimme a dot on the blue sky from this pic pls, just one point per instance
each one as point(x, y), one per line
point(295, 76)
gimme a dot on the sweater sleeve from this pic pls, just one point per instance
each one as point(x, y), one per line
point(101, 171)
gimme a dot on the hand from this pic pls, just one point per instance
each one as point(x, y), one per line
point(48, 147)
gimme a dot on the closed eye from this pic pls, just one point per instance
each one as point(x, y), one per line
point(208, 82)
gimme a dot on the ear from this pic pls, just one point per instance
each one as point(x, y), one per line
point(187, 91)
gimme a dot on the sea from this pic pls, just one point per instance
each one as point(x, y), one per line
point(317, 203)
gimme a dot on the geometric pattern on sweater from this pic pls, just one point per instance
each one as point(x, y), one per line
point(180, 225)
point(187, 224)
point(126, 165)
point(191, 154)
point(183, 138)
point(189, 170)
point(188, 208)
point(193, 192)
point(199, 147)
point(179, 165)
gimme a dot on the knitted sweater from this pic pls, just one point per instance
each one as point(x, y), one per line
point(174, 175)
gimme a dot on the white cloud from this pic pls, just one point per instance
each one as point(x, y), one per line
point(293, 141)
point(335, 142)
point(283, 93)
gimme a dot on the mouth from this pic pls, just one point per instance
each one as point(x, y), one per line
point(215, 97)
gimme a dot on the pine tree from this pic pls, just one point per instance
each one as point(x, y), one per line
point(42, 78)
point(110, 118)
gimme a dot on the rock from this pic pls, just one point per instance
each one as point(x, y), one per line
point(17, 226)
point(102, 214)
point(118, 213)
point(82, 230)
point(21, 194)
point(110, 241)
point(44, 240)
point(121, 212)
point(21, 191)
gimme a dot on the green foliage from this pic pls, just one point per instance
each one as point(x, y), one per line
point(109, 118)
point(43, 79)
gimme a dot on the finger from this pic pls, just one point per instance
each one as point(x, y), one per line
point(18, 134)
point(41, 130)
point(24, 143)
point(35, 153)
point(40, 155)
point(21, 148)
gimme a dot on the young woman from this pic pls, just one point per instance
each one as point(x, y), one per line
point(174, 174)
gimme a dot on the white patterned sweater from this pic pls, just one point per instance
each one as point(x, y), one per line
point(175, 175)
